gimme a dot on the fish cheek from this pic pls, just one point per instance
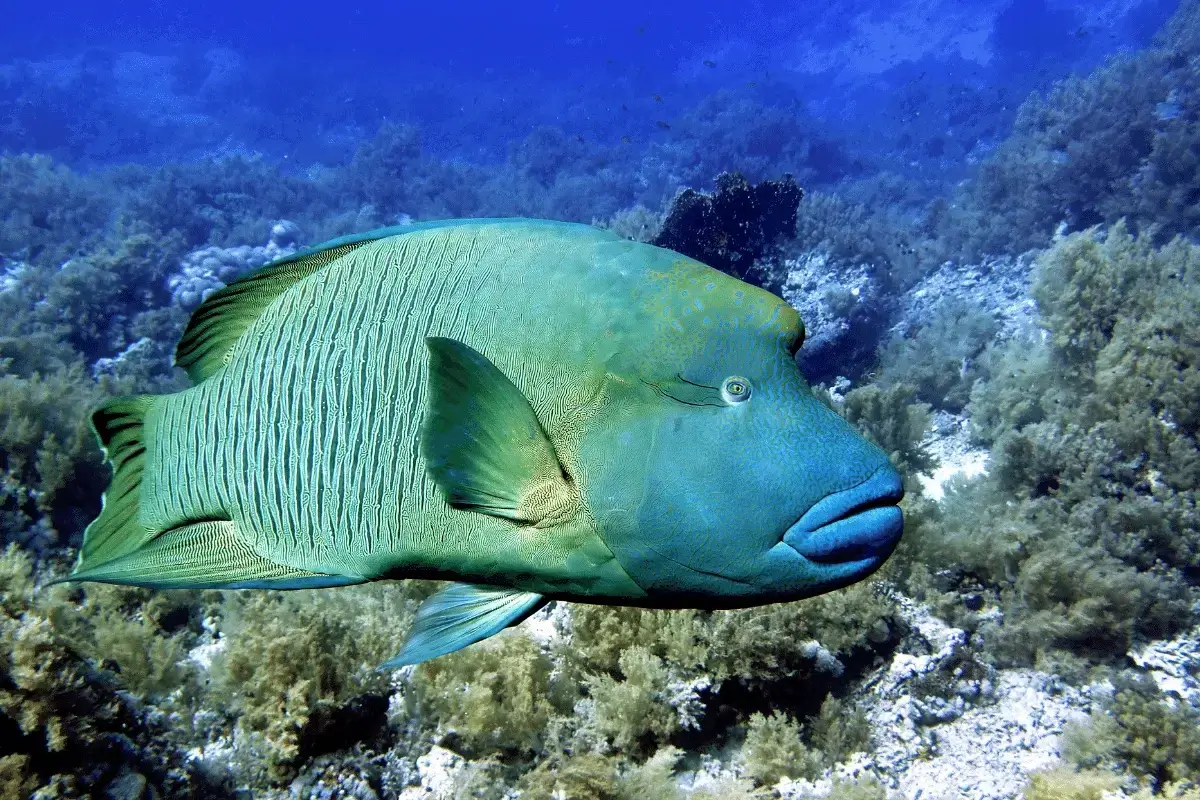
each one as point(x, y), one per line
point(613, 457)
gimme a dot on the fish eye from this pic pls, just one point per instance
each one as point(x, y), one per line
point(735, 390)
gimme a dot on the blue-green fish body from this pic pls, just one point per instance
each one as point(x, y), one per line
point(536, 410)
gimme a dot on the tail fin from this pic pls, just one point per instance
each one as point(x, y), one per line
point(192, 555)
point(120, 425)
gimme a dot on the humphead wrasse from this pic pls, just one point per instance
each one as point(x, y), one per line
point(533, 410)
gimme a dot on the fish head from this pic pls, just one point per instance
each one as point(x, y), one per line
point(714, 474)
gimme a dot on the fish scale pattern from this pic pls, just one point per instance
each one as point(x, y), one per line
point(308, 438)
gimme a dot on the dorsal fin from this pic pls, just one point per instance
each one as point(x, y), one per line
point(222, 319)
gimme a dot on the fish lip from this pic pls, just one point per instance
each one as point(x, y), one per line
point(863, 523)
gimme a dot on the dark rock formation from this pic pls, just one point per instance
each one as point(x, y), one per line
point(733, 227)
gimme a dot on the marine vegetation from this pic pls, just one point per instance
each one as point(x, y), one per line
point(1120, 143)
point(62, 654)
point(940, 359)
point(1090, 501)
point(1143, 733)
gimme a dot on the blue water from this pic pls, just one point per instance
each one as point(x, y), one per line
point(919, 85)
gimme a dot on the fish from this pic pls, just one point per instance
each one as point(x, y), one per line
point(708, 62)
point(658, 98)
point(531, 410)
point(666, 126)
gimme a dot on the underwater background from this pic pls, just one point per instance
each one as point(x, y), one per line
point(996, 258)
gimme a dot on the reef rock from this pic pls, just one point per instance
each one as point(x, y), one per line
point(946, 725)
point(999, 286)
point(206, 270)
point(735, 225)
point(842, 305)
point(1174, 665)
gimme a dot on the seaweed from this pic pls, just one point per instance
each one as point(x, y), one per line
point(1089, 502)
point(587, 776)
point(891, 417)
point(763, 643)
point(292, 660)
point(1067, 784)
point(1120, 142)
point(1143, 732)
point(941, 358)
point(774, 750)
point(52, 473)
point(633, 710)
point(778, 746)
point(495, 696)
point(838, 732)
point(66, 725)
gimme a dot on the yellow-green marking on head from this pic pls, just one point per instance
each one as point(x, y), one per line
point(534, 410)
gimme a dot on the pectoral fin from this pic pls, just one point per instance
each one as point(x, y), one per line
point(459, 615)
point(483, 445)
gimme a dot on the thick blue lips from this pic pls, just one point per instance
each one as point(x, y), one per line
point(859, 523)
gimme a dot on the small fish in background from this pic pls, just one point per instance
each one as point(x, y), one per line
point(533, 410)
point(626, 140)
point(666, 126)
point(708, 62)
point(658, 98)
point(579, 138)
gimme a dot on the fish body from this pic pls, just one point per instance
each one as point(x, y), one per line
point(536, 410)
point(308, 439)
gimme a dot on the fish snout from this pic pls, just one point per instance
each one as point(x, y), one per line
point(856, 524)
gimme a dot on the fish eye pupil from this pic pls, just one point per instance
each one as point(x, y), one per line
point(735, 390)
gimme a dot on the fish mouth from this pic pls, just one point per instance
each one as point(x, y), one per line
point(862, 523)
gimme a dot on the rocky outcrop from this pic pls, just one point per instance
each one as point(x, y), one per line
point(206, 270)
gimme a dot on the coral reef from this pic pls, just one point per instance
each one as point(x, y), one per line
point(1119, 143)
point(204, 271)
point(844, 272)
point(51, 469)
point(299, 671)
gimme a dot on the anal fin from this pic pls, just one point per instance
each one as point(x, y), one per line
point(204, 555)
point(462, 614)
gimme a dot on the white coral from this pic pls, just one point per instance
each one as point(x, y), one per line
point(208, 269)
